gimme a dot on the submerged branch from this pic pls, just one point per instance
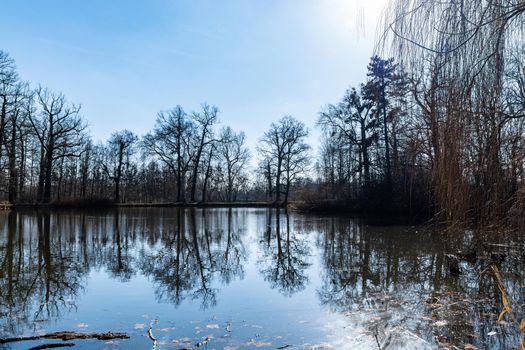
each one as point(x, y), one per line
point(52, 345)
point(67, 335)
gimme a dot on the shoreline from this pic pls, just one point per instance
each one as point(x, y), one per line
point(304, 208)
point(108, 205)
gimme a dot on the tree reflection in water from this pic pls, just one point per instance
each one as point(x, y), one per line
point(40, 274)
point(46, 258)
point(120, 259)
point(383, 268)
point(285, 252)
point(196, 251)
point(231, 250)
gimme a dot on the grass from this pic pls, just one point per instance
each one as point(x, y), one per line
point(507, 308)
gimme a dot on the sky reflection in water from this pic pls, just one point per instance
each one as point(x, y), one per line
point(245, 278)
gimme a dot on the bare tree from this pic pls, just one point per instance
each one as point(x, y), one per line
point(233, 157)
point(173, 142)
point(18, 130)
point(120, 149)
point(283, 148)
point(354, 121)
point(59, 129)
point(204, 122)
point(265, 170)
point(210, 155)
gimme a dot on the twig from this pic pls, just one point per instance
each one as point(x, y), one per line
point(377, 341)
point(150, 335)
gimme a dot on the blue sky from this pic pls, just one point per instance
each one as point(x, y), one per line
point(256, 60)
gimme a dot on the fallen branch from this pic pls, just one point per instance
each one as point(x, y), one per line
point(52, 345)
point(67, 335)
point(377, 340)
point(199, 344)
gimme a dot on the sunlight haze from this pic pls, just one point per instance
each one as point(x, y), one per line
point(126, 60)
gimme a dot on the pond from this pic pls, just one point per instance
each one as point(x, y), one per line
point(252, 279)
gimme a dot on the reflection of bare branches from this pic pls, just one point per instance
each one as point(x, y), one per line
point(60, 274)
point(193, 256)
point(169, 267)
point(367, 268)
point(284, 263)
point(121, 263)
point(47, 276)
point(232, 256)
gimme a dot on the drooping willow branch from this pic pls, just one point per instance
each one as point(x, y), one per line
point(459, 54)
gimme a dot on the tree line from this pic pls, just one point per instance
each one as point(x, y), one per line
point(436, 131)
point(439, 130)
point(48, 156)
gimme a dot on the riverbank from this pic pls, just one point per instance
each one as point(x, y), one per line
point(328, 208)
point(205, 205)
point(104, 204)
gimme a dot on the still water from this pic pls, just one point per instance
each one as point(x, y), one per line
point(250, 279)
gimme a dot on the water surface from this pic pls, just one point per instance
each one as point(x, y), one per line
point(250, 279)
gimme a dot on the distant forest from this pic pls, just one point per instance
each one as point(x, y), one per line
point(437, 131)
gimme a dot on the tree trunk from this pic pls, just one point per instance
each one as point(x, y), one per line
point(13, 176)
point(48, 177)
point(287, 191)
point(195, 173)
point(278, 181)
point(119, 173)
point(207, 176)
point(385, 130)
point(269, 180)
point(230, 184)
point(41, 175)
point(22, 171)
point(3, 115)
point(364, 151)
point(59, 191)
